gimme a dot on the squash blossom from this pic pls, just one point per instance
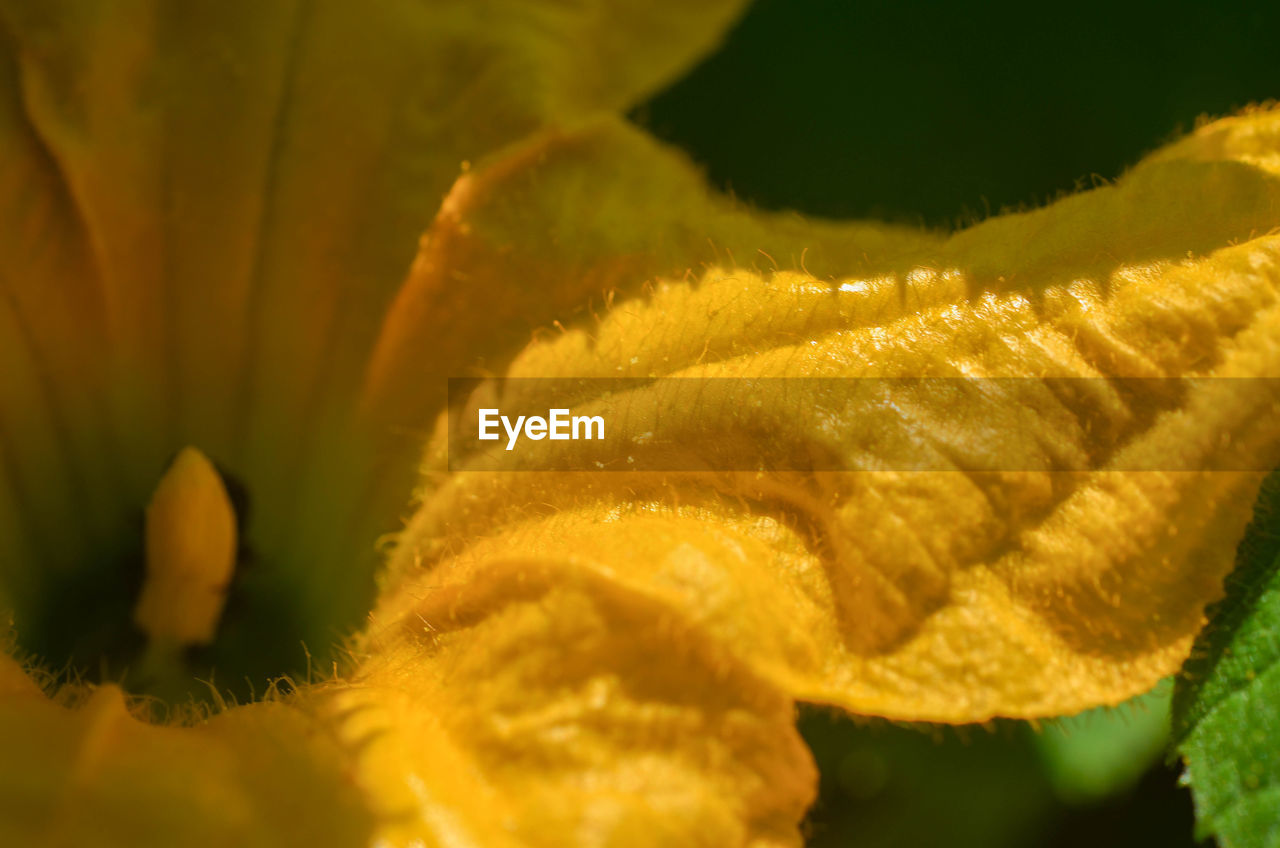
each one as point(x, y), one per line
point(244, 603)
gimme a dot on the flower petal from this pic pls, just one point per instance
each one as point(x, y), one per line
point(1074, 581)
point(578, 213)
point(531, 713)
point(583, 713)
point(209, 205)
point(265, 774)
point(561, 223)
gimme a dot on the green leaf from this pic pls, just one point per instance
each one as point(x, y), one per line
point(1226, 708)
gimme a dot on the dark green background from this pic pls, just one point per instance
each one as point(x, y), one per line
point(935, 112)
point(943, 114)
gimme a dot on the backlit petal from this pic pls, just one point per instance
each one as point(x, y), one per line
point(1061, 584)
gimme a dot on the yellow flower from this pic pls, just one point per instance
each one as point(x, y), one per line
point(208, 211)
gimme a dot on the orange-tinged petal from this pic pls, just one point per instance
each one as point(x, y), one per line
point(538, 230)
point(553, 229)
point(208, 206)
point(593, 214)
point(1070, 581)
point(236, 166)
point(94, 774)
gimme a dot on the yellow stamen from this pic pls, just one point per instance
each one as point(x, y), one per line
point(191, 552)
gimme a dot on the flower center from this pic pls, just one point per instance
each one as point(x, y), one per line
point(176, 612)
point(190, 556)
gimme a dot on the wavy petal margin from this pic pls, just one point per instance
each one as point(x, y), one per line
point(937, 596)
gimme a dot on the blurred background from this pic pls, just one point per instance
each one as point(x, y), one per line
point(942, 115)
point(939, 113)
